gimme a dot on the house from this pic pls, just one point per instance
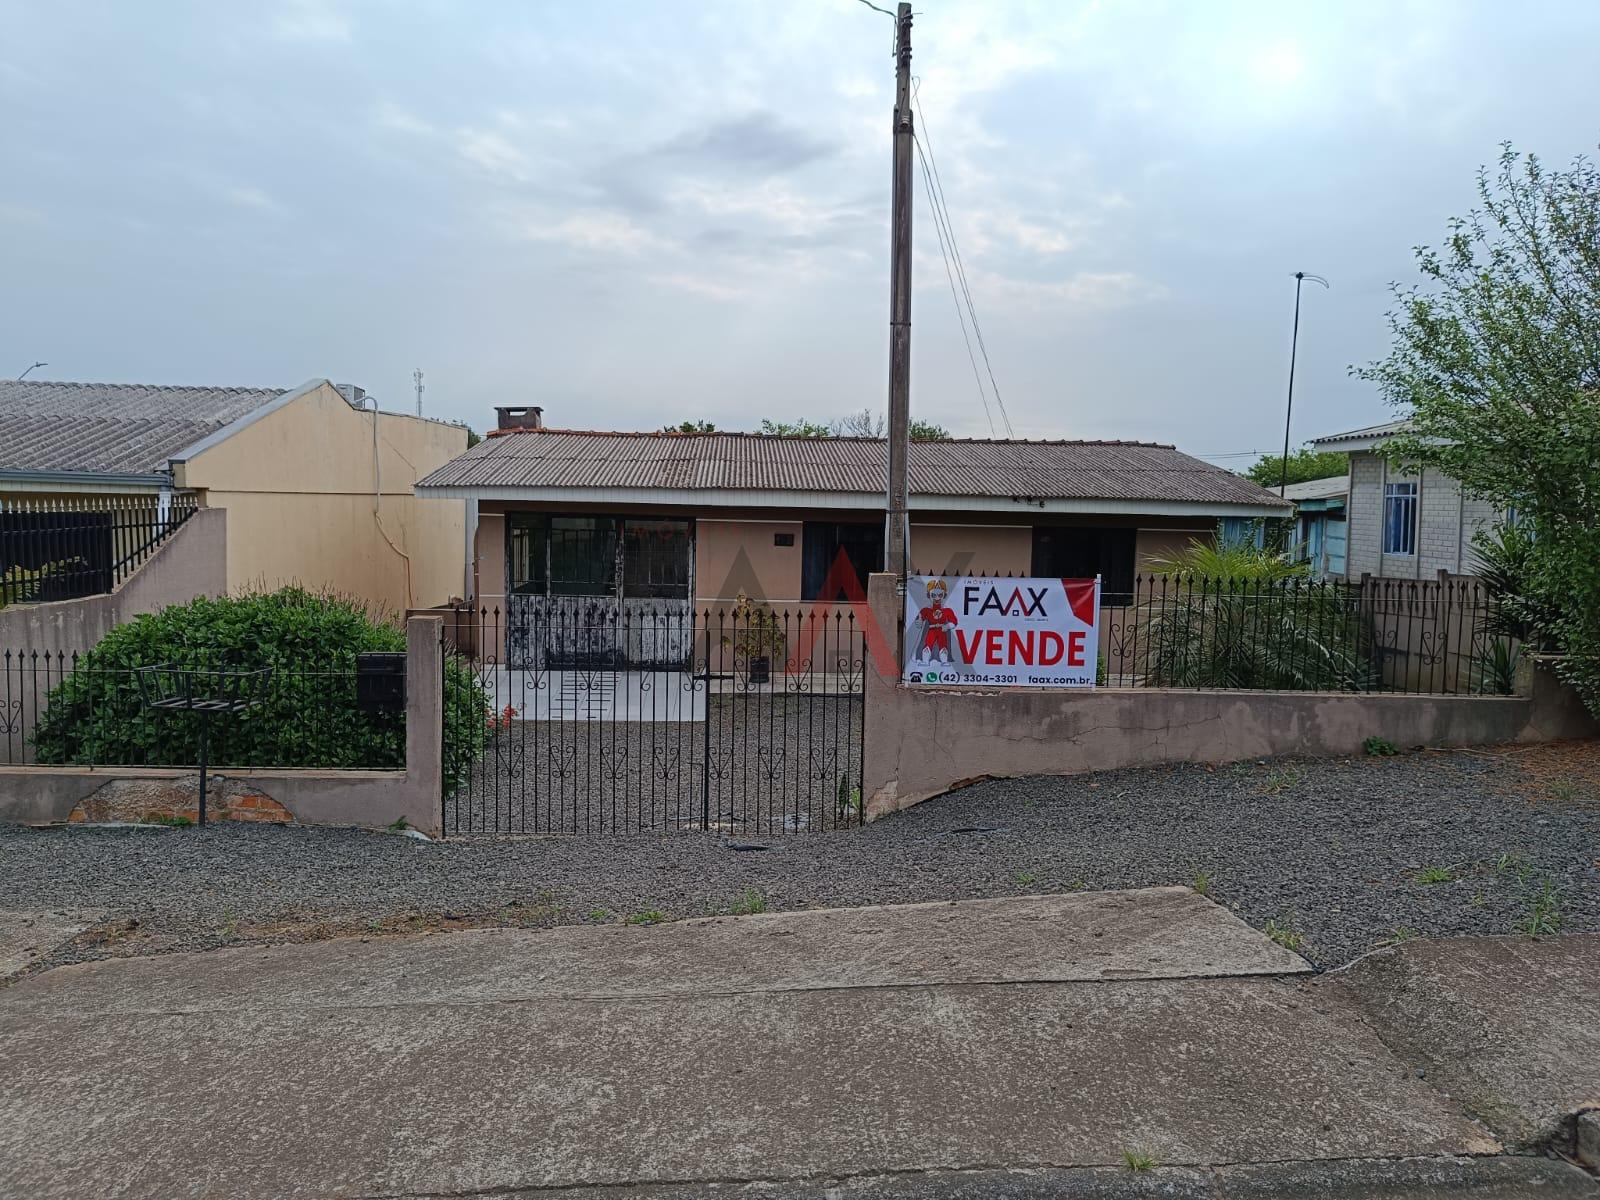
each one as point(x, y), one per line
point(654, 520)
point(315, 482)
point(1319, 534)
point(1402, 525)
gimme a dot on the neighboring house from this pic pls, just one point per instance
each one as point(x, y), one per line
point(316, 487)
point(1319, 536)
point(1402, 525)
point(653, 520)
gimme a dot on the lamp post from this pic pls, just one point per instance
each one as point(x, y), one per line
point(1294, 345)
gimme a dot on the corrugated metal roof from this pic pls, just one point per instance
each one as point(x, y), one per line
point(1369, 431)
point(1318, 489)
point(1049, 470)
point(111, 428)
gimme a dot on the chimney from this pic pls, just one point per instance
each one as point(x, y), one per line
point(526, 416)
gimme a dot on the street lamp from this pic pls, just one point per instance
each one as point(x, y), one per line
point(1294, 344)
point(24, 375)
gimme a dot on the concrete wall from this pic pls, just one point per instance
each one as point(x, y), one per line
point(734, 556)
point(922, 742)
point(372, 799)
point(192, 562)
point(1447, 520)
point(300, 483)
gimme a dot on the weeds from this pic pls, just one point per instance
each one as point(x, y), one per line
point(1202, 883)
point(1564, 790)
point(1138, 1160)
point(1282, 930)
point(1281, 780)
point(599, 915)
point(1436, 875)
point(749, 903)
point(1543, 911)
point(1401, 935)
point(177, 822)
point(399, 825)
point(1023, 878)
point(1380, 747)
point(646, 916)
point(230, 924)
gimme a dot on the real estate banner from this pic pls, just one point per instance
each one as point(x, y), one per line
point(1002, 632)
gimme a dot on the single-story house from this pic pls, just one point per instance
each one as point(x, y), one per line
point(1403, 525)
point(687, 519)
point(1319, 532)
point(315, 481)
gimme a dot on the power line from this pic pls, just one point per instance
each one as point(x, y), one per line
point(938, 225)
point(942, 211)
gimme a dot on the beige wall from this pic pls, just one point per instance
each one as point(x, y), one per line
point(1153, 545)
point(299, 483)
point(741, 556)
point(971, 549)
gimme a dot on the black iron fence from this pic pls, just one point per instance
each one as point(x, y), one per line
point(62, 709)
point(62, 549)
point(1444, 636)
point(604, 715)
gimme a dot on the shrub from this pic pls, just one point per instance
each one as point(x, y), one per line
point(308, 717)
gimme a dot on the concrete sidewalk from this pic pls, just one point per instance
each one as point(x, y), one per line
point(984, 1048)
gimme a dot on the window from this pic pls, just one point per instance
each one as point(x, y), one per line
point(861, 543)
point(577, 556)
point(655, 559)
point(1400, 518)
point(1078, 552)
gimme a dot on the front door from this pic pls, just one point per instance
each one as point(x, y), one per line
point(1082, 552)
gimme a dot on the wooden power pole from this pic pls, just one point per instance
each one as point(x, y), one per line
point(896, 529)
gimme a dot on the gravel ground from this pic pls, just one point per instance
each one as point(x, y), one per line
point(1335, 852)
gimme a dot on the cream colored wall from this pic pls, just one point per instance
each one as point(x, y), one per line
point(299, 483)
point(491, 552)
point(972, 549)
point(766, 570)
point(1153, 544)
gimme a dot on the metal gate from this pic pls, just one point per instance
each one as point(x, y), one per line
point(744, 719)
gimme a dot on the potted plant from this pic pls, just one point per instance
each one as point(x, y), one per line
point(757, 635)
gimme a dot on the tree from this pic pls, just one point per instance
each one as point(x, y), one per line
point(863, 424)
point(1304, 464)
point(927, 431)
point(690, 427)
point(804, 427)
point(1496, 360)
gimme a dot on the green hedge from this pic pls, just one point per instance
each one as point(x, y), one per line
point(308, 719)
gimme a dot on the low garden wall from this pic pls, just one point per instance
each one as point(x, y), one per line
point(921, 742)
point(372, 799)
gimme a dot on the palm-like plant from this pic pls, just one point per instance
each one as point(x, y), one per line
point(1238, 617)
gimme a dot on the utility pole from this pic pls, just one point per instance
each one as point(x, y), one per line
point(416, 378)
point(1294, 345)
point(899, 440)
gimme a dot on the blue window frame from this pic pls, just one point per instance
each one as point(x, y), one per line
point(1400, 518)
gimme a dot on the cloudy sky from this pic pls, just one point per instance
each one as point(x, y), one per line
point(632, 213)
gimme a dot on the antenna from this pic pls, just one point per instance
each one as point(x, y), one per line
point(416, 378)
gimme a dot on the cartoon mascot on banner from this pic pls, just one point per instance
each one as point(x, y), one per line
point(934, 625)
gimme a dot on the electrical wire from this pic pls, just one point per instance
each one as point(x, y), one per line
point(938, 225)
point(942, 211)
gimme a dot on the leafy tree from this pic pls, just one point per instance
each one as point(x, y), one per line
point(864, 424)
point(690, 427)
point(1496, 360)
point(308, 718)
point(473, 437)
point(1305, 464)
point(927, 431)
point(804, 427)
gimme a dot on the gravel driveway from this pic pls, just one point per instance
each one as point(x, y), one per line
point(1340, 854)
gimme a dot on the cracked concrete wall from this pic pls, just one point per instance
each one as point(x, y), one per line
point(922, 742)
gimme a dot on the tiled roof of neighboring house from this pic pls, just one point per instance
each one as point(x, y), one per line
point(1043, 470)
point(1318, 489)
point(1367, 436)
point(111, 428)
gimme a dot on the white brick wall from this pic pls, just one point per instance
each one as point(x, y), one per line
point(1446, 521)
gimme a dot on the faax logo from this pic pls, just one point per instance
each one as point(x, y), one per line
point(978, 599)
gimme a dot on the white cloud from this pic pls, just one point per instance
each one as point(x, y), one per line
point(401, 120)
point(1092, 290)
point(594, 229)
point(312, 21)
point(487, 149)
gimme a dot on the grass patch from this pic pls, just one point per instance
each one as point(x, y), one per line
point(646, 916)
point(1138, 1160)
point(1283, 930)
point(599, 915)
point(178, 822)
point(749, 903)
point(1542, 911)
point(1023, 878)
point(399, 825)
point(1436, 875)
point(1380, 747)
point(1203, 883)
point(1281, 779)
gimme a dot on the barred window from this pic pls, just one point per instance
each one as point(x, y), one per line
point(1400, 518)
